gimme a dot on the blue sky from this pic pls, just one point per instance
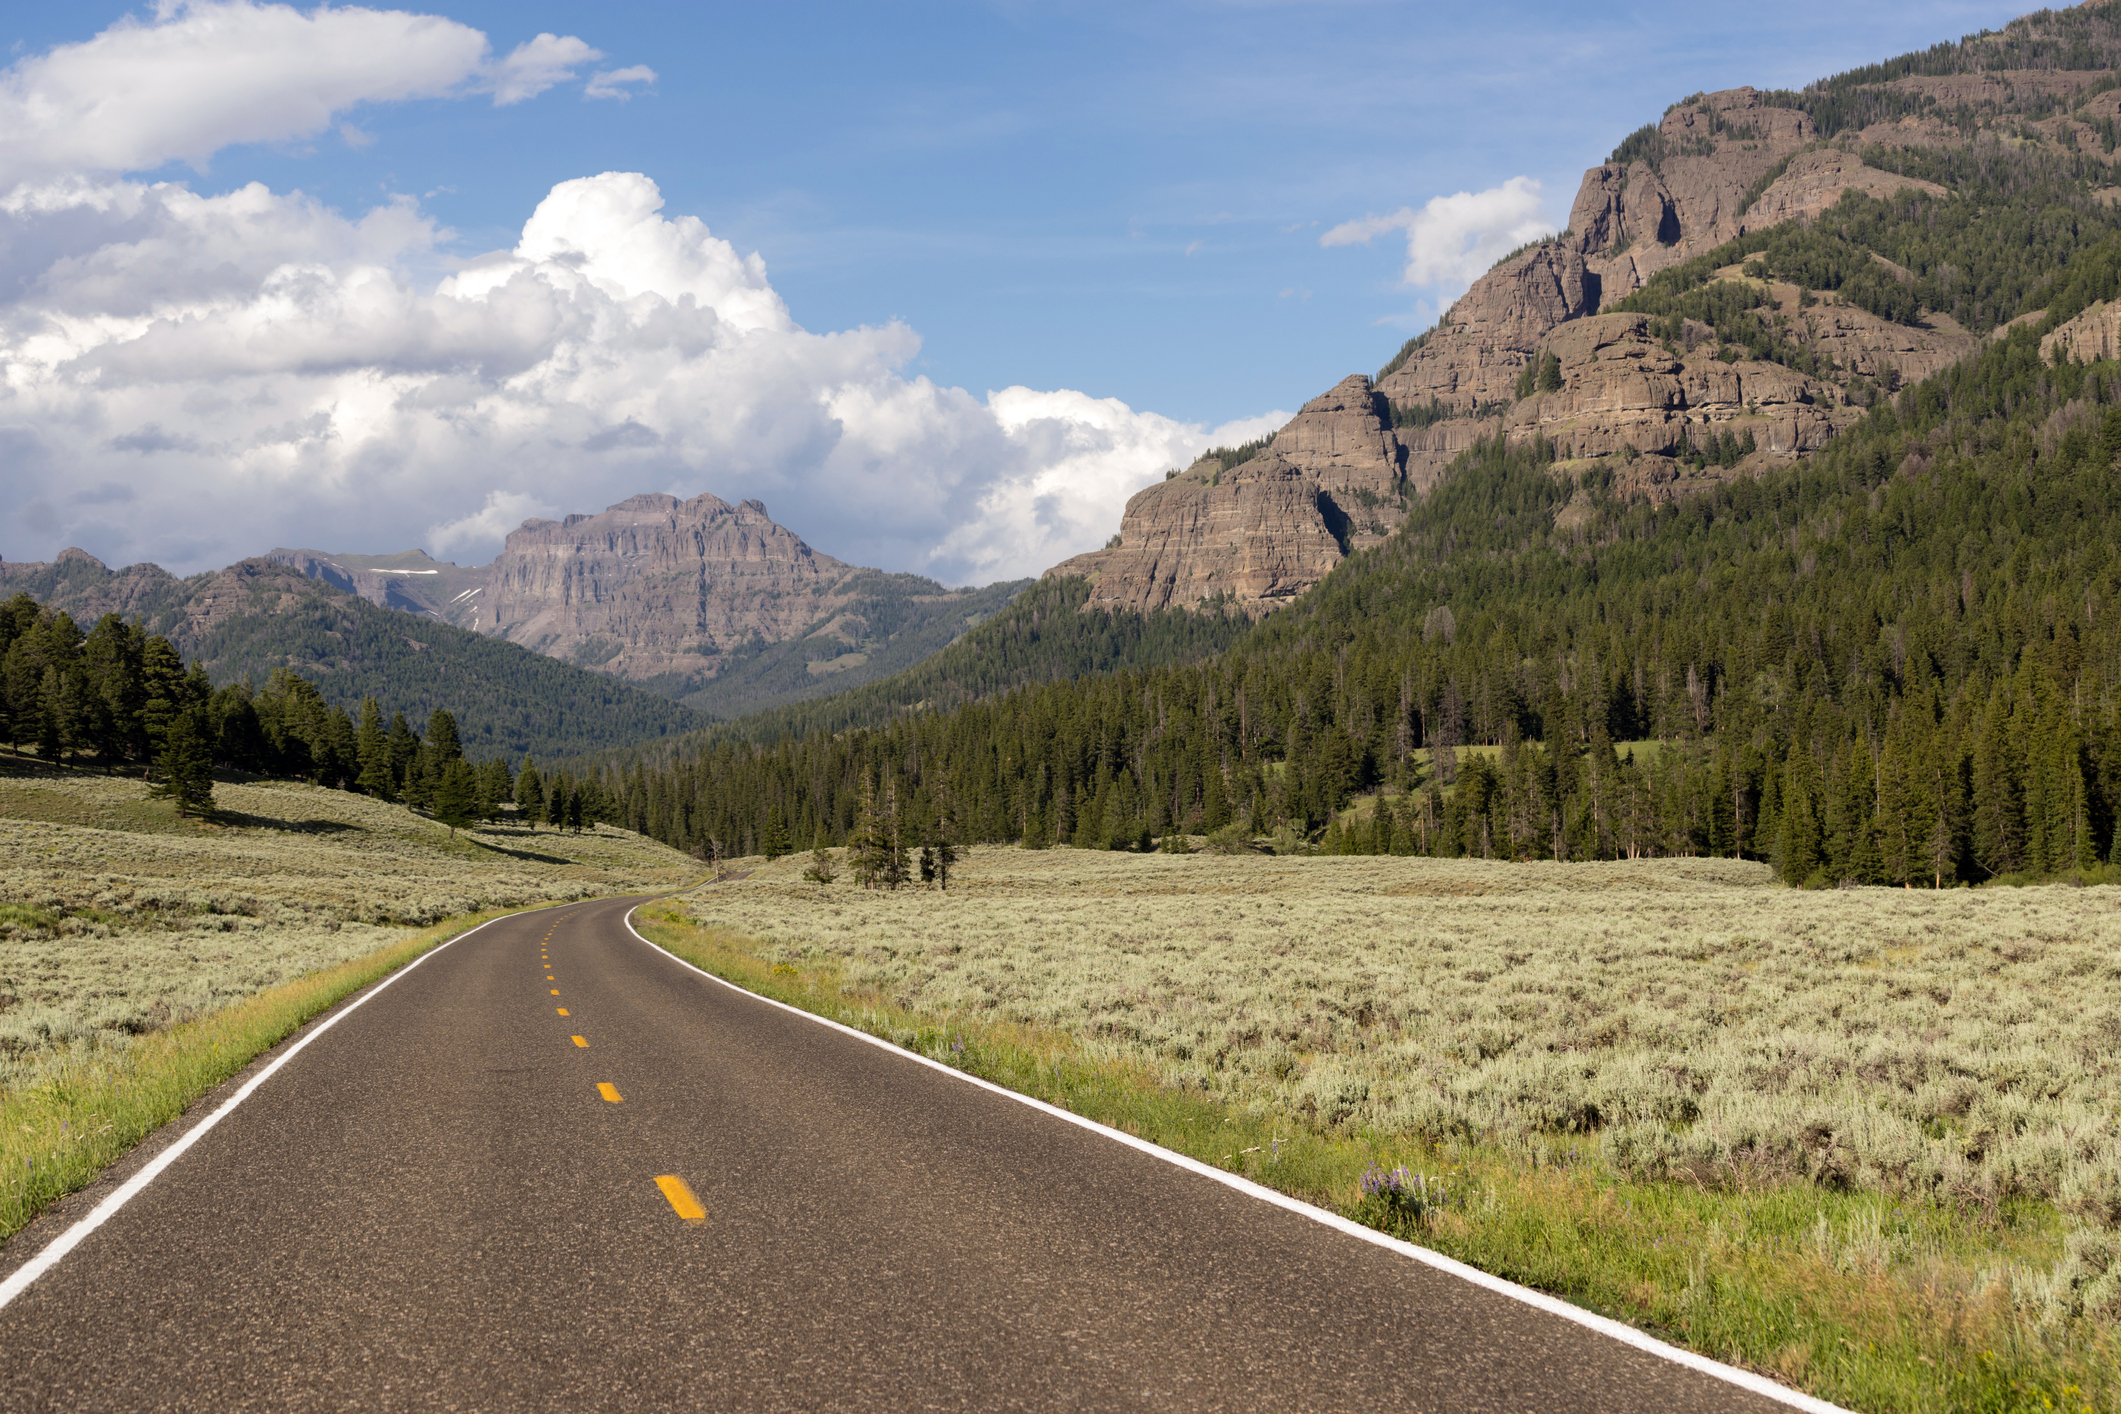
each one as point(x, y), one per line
point(1103, 201)
point(1123, 199)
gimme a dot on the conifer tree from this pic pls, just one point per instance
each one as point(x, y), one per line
point(530, 794)
point(442, 737)
point(187, 765)
point(775, 843)
point(456, 796)
point(944, 833)
point(892, 864)
point(372, 752)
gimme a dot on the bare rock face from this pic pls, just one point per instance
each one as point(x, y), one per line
point(2092, 335)
point(1631, 223)
point(1344, 443)
point(654, 586)
point(1624, 393)
point(412, 582)
point(1431, 449)
point(1259, 535)
point(1814, 181)
point(1484, 341)
point(1860, 342)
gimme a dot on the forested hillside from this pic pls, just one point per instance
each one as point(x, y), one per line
point(120, 698)
point(898, 627)
point(252, 619)
point(1044, 635)
point(1897, 662)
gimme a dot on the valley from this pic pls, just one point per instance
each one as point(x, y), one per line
point(1627, 795)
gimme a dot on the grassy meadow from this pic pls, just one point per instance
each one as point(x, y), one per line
point(145, 958)
point(118, 919)
point(1867, 1140)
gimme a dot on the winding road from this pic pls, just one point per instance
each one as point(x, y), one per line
point(551, 1167)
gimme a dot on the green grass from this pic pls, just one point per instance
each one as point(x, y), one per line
point(1874, 1303)
point(84, 1110)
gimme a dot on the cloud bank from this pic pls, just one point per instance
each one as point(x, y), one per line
point(191, 378)
point(1453, 240)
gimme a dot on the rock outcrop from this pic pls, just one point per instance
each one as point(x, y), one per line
point(1484, 341)
point(413, 581)
point(1814, 181)
point(1344, 443)
point(1716, 166)
point(1623, 392)
point(2092, 335)
point(656, 586)
point(669, 593)
point(1258, 535)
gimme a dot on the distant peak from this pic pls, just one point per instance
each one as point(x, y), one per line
point(74, 554)
point(647, 501)
point(756, 505)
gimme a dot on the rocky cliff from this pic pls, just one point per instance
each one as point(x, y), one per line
point(685, 597)
point(655, 586)
point(413, 581)
point(1717, 167)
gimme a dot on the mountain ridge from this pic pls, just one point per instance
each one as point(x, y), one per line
point(1775, 349)
point(257, 615)
point(715, 605)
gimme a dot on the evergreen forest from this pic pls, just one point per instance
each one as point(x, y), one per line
point(507, 700)
point(117, 697)
point(1898, 662)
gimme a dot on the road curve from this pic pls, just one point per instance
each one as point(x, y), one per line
point(464, 1197)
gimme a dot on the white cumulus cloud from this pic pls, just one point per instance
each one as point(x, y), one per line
point(611, 83)
point(202, 75)
point(239, 371)
point(195, 377)
point(536, 65)
point(1453, 239)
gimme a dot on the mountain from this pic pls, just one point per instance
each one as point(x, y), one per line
point(713, 604)
point(411, 581)
point(1739, 283)
point(1818, 515)
point(258, 615)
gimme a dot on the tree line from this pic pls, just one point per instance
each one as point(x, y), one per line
point(1898, 662)
point(119, 697)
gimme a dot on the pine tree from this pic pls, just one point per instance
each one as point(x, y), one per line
point(820, 870)
point(775, 843)
point(186, 765)
point(1799, 837)
point(942, 842)
point(456, 796)
point(894, 867)
point(865, 847)
point(372, 750)
point(530, 794)
point(404, 746)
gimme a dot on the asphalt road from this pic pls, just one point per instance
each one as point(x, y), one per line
point(450, 1202)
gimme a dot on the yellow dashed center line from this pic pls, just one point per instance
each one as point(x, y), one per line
point(561, 1010)
point(556, 991)
point(580, 1042)
point(608, 1090)
point(681, 1200)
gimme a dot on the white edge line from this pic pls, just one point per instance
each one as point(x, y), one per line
point(18, 1281)
point(1552, 1305)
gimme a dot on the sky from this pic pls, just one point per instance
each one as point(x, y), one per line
point(942, 284)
